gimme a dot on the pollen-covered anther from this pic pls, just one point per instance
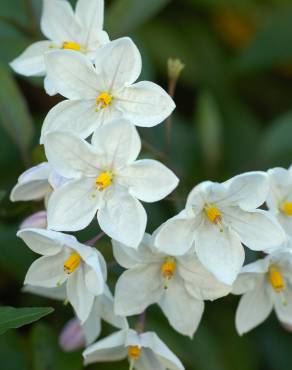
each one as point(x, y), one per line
point(134, 352)
point(168, 269)
point(214, 215)
point(104, 180)
point(103, 100)
point(276, 279)
point(71, 264)
point(71, 45)
point(287, 208)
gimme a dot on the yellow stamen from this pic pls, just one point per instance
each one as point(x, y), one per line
point(276, 279)
point(72, 263)
point(287, 208)
point(168, 269)
point(103, 100)
point(213, 214)
point(134, 352)
point(104, 180)
point(71, 45)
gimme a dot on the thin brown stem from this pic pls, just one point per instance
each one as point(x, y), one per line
point(93, 241)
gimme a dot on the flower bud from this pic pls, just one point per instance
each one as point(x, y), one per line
point(72, 336)
point(37, 220)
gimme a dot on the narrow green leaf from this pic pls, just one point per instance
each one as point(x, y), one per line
point(11, 318)
point(14, 114)
point(126, 15)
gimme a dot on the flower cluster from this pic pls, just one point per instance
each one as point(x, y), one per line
point(92, 145)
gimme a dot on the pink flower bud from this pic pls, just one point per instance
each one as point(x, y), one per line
point(72, 336)
point(37, 220)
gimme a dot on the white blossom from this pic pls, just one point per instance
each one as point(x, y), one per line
point(266, 285)
point(179, 285)
point(144, 351)
point(99, 93)
point(105, 177)
point(218, 218)
point(64, 259)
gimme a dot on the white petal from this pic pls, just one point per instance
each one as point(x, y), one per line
point(284, 308)
point(94, 280)
point(111, 348)
point(200, 283)
point(197, 198)
point(137, 289)
point(148, 360)
point(31, 62)
point(123, 218)
point(245, 282)
point(70, 155)
point(92, 327)
point(72, 74)
point(253, 309)
point(90, 14)
point(175, 236)
point(57, 293)
point(149, 180)
point(183, 311)
point(257, 229)
point(280, 187)
point(130, 257)
point(78, 117)
point(78, 294)
point(47, 272)
point(58, 22)
point(163, 353)
point(32, 184)
point(44, 242)
point(248, 190)
point(73, 206)
point(119, 141)
point(118, 63)
point(220, 252)
point(145, 104)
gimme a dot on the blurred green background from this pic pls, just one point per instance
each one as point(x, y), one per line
point(234, 113)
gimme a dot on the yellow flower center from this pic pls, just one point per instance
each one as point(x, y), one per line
point(287, 208)
point(168, 269)
point(104, 180)
point(276, 279)
point(71, 45)
point(134, 352)
point(103, 100)
point(213, 214)
point(72, 263)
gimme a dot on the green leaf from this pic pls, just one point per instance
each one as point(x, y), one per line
point(14, 114)
point(126, 15)
point(11, 318)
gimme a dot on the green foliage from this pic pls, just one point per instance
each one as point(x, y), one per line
point(11, 318)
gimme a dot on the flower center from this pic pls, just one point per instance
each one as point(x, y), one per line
point(287, 208)
point(72, 263)
point(71, 45)
point(168, 269)
point(276, 279)
point(103, 100)
point(104, 180)
point(213, 214)
point(134, 352)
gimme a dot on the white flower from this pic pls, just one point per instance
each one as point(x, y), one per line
point(102, 309)
point(265, 284)
point(105, 177)
point(178, 284)
point(64, 259)
point(81, 32)
point(219, 217)
point(100, 93)
point(144, 351)
point(280, 197)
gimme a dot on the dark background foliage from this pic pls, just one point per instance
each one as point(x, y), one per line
point(234, 113)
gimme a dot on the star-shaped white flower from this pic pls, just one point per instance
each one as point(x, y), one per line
point(81, 32)
point(102, 309)
point(178, 284)
point(105, 177)
point(64, 259)
point(280, 196)
point(219, 217)
point(104, 91)
point(266, 285)
point(144, 351)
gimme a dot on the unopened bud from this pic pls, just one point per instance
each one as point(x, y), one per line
point(37, 220)
point(72, 336)
point(175, 67)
